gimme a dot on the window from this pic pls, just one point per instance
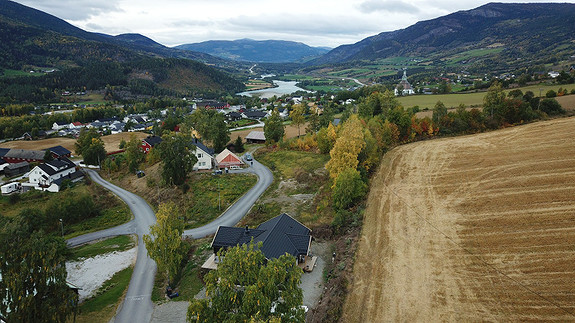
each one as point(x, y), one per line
point(199, 155)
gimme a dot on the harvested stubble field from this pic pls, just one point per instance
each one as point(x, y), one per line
point(474, 228)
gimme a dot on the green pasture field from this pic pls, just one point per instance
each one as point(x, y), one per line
point(13, 73)
point(474, 99)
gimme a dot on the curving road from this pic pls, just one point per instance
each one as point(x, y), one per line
point(137, 306)
point(238, 210)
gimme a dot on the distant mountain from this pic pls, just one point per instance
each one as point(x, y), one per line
point(513, 32)
point(27, 30)
point(31, 38)
point(259, 51)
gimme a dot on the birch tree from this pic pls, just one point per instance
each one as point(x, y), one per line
point(164, 243)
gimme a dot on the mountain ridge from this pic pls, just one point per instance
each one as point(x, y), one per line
point(258, 51)
point(515, 26)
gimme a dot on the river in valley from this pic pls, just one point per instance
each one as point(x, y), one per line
point(283, 87)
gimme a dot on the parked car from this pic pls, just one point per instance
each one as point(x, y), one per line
point(217, 172)
point(235, 167)
point(249, 157)
point(140, 173)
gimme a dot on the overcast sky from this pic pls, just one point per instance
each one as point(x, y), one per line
point(314, 22)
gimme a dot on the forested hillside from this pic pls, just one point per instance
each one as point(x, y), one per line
point(504, 35)
point(68, 58)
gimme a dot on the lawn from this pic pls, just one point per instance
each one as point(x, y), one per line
point(286, 163)
point(213, 194)
point(119, 243)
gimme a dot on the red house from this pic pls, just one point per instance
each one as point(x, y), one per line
point(149, 143)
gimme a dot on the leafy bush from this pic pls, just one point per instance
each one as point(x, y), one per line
point(348, 188)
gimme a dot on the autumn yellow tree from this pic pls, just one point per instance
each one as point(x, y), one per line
point(348, 145)
point(164, 243)
point(297, 116)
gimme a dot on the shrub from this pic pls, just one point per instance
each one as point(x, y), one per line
point(348, 188)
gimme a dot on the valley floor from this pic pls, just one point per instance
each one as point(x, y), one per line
point(473, 228)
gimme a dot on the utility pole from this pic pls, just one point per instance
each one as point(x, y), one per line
point(219, 197)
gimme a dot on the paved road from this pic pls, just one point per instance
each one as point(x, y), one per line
point(238, 210)
point(137, 306)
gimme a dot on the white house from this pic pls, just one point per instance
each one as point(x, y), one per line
point(60, 125)
point(49, 176)
point(205, 156)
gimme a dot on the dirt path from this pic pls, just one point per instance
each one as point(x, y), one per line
point(471, 228)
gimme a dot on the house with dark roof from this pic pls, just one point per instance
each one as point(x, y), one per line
point(234, 116)
point(49, 176)
point(204, 155)
point(59, 151)
point(278, 236)
point(150, 142)
point(254, 114)
point(15, 169)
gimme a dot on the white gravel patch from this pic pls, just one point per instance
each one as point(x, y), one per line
point(91, 273)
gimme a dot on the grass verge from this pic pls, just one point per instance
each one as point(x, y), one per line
point(189, 281)
point(119, 243)
point(102, 306)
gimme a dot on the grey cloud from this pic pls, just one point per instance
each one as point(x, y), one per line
point(303, 24)
point(392, 6)
point(75, 10)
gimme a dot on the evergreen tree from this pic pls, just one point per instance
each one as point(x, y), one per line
point(239, 145)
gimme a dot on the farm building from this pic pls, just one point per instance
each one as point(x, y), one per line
point(256, 137)
point(20, 155)
point(226, 159)
point(15, 169)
